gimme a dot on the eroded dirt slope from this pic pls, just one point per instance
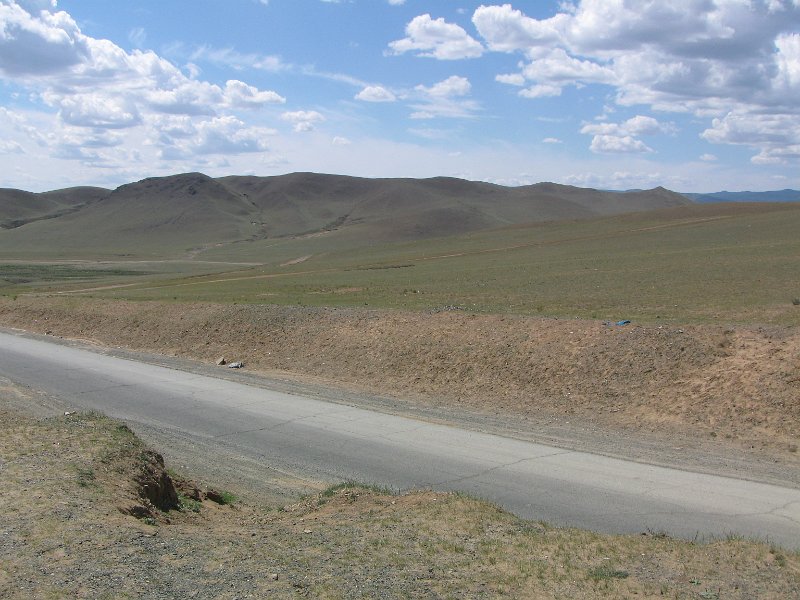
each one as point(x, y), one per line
point(740, 384)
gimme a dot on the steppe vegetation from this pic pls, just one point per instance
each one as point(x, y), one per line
point(700, 264)
point(25, 273)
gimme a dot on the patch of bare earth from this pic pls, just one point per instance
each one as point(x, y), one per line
point(90, 512)
point(736, 387)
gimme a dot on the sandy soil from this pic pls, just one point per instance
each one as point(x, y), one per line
point(737, 387)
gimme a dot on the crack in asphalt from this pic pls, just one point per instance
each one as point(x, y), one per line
point(387, 436)
point(119, 386)
point(726, 515)
point(774, 512)
point(275, 426)
point(785, 507)
point(678, 510)
point(257, 429)
point(500, 466)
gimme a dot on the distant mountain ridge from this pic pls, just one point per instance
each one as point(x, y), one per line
point(191, 210)
point(774, 196)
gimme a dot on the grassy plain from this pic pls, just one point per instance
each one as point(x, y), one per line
point(713, 263)
point(25, 273)
point(21, 277)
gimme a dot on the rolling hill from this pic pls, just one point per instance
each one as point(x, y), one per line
point(18, 208)
point(774, 196)
point(184, 214)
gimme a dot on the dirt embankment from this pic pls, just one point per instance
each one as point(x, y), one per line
point(740, 384)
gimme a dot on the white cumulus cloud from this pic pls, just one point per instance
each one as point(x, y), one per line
point(734, 61)
point(436, 38)
point(638, 125)
point(303, 120)
point(623, 137)
point(93, 86)
point(506, 29)
point(376, 93)
point(95, 110)
point(777, 136)
point(541, 90)
point(603, 144)
point(447, 98)
point(36, 42)
point(220, 135)
point(452, 86)
point(240, 94)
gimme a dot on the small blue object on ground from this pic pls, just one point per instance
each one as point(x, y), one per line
point(621, 323)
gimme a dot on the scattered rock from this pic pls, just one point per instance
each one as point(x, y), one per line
point(155, 485)
point(188, 489)
point(221, 361)
point(136, 510)
point(215, 496)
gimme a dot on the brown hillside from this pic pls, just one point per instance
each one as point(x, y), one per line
point(172, 216)
point(18, 207)
point(608, 203)
point(188, 202)
point(154, 217)
point(401, 209)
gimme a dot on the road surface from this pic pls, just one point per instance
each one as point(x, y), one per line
point(333, 442)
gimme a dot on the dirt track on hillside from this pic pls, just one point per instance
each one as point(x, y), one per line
point(740, 385)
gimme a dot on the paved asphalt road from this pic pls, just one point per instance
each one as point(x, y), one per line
point(333, 442)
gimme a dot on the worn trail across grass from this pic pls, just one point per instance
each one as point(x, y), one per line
point(73, 485)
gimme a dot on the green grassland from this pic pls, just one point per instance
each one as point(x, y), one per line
point(699, 264)
point(33, 273)
point(19, 277)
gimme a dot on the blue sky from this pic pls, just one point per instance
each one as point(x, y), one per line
point(693, 95)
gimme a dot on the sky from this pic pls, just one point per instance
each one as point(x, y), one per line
point(692, 95)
